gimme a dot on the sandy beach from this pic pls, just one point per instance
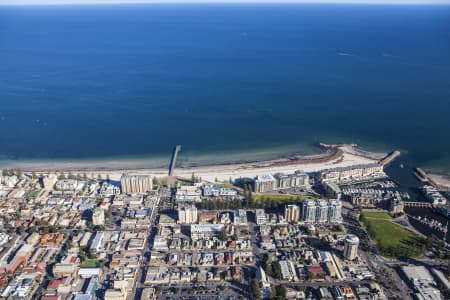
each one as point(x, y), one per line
point(339, 156)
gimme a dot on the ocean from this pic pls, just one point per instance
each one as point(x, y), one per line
point(227, 82)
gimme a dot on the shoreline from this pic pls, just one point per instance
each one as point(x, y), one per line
point(439, 181)
point(339, 155)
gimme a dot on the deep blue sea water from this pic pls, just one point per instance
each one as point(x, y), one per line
point(227, 82)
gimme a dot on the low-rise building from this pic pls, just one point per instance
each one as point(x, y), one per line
point(422, 282)
point(261, 218)
point(204, 231)
point(207, 217)
point(240, 217)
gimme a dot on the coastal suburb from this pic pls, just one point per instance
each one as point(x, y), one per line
point(330, 226)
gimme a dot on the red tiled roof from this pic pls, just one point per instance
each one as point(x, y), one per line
point(315, 269)
point(54, 284)
point(50, 297)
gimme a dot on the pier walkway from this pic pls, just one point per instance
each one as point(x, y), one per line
point(173, 160)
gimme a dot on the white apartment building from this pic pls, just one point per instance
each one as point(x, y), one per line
point(264, 183)
point(135, 184)
point(260, 217)
point(291, 213)
point(187, 214)
point(351, 243)
point(321, 211)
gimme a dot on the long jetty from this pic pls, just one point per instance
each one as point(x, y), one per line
point(173, 160)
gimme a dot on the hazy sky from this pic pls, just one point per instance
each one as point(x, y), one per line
point(24, 2)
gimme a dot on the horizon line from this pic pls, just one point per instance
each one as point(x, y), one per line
point(173, 2)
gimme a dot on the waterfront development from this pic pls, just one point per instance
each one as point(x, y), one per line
point(267, 230)
point(197, 152)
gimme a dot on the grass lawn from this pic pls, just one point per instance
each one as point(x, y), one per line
point(392, 240)
point(377, 215)
point(90, 263)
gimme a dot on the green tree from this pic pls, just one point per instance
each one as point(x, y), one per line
point(223, 234)
point(268, 269)
point(276, 269)
point(280, 292)
point(19, 173)
point(256, 289)
point(273, 294)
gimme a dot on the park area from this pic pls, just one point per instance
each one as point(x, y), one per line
point(392, 240)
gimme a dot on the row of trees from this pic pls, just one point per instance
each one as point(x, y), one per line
point(271, 267)
point(62, 175)
point(252, 202)
point(256, 289)
point(83, 176)
point(248, 190)
point(272, 202)
point(221, 204)
point(277, 292)
point(12, 172)
point(412, 251)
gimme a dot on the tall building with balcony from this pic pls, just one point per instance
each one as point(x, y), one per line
point(334, 211)
point(292, 213)
point(98, 216)
point(321, 211)
point(264, 183)
point(309, 211)
point(351, 243)
point(135, 184)
point(187, 214)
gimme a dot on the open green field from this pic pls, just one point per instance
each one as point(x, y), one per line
point(90, 263)
point(392, 240)
point(377, 215)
